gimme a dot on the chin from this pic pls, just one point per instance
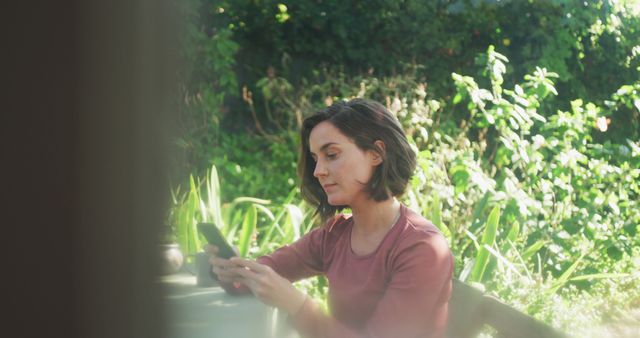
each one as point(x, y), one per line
point(335, 201)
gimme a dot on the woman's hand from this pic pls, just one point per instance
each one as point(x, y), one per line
point(271, 288)
point(223, 268)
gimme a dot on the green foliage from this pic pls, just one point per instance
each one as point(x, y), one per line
point(560, 191)
point(254, 229)
point(248, 230)
point(285, 48)
point(530, 168)
point(488, 241)
point(206, 80)
point(202, 202)
point(569, 204)
point(591, 45)
point(183, 220)
point(255, 166)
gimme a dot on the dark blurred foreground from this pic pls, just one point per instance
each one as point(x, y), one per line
point(83, 144)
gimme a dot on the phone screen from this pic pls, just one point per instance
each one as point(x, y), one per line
point(215, 237)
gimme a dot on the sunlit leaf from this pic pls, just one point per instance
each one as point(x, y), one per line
point(247, 231)
point(488, 238)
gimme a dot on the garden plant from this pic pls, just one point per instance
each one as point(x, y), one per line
point(528, 147)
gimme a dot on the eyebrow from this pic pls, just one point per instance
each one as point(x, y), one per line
point(324, 146)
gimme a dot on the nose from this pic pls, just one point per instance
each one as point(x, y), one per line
point(320, 169)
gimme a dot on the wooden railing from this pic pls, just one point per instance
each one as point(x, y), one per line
point(470, 310)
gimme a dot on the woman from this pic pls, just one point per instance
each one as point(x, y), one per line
point(389, 269)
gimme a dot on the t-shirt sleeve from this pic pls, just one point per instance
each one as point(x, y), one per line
point(414, 304)
point(296, 261)
point(301, 259)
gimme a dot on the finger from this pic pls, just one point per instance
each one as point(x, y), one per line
point(221, 270)
point(221, 262)
point(225, 273)
point(211, 249)
point(247, 274)
point(228, 271)
point(252, 265)
point(251, 284)
point(230, 279)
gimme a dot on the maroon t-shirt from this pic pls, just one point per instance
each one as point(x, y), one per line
point(400, 290)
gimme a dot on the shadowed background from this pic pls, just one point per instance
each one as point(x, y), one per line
point(83, 138)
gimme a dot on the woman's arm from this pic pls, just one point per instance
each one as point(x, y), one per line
point(271, 288)
point(301, 259)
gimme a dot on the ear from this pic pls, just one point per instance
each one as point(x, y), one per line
point(377, 157)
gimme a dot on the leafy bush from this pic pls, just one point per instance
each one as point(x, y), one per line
point(274, 50)
point(531, 169)
point(207, 80)
point(569, 205)
point(254, 166)
point(532, 204)
point(592, 45)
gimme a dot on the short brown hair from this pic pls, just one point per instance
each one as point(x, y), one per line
point(364, 122)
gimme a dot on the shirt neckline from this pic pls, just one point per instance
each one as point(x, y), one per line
point(386, 236)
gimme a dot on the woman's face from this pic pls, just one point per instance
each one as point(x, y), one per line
point(342, 168)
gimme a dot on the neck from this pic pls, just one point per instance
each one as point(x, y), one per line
point(371, 217)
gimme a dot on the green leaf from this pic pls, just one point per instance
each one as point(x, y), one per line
point(564, 278)
point(600, 276)
point(275, 223)
point(478, 210)
point(213, 197)
point(488, 239)
point(265, 211)
point(251, 200)
point(519, 257)
point(295, 220)
point(513, 232)
point(234, 224)
point(191, 208)
point(502, 259)
point(460, 177)
point(457, 98)
point(511, 236)
point(436, 217)
point(532, 249)
point(248, 228)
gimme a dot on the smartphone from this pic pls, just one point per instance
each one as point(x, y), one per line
point(215, 237)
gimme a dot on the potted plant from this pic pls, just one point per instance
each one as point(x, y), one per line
point(172, 258)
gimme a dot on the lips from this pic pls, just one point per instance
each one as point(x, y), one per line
point(328, 186)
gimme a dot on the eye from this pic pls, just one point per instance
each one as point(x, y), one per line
point(332, 156)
